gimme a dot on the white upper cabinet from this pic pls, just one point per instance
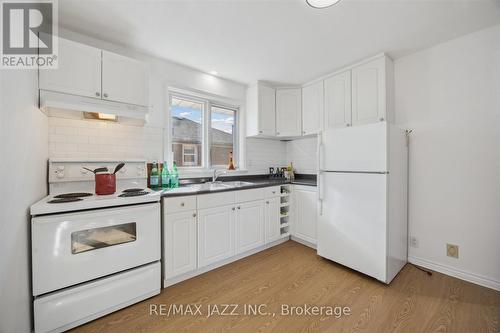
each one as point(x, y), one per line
point(261, 110)
point(312, 108)
point(78, 72)
point(124, 80)
point(337, 100)
point(369, 92)
point(289, 112)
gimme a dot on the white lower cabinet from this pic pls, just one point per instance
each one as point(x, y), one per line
point(272, 219)
point(180, 243)
point(305, 218)
point(216, 231)
point(249, 226)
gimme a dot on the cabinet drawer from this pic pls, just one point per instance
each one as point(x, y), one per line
point(215, 199)
point(250, 195)
point(179, 204)
point(271, 192)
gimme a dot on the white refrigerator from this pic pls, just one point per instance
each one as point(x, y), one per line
point(362, 174)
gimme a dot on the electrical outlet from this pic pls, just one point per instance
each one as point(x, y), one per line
point(452, 250)
point(413, 241)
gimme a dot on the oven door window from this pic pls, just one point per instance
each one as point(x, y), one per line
point(97, 238)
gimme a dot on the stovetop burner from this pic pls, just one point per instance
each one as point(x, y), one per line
point(130, 190)
point(73, 195)
point(133, 194)
point(64, 200)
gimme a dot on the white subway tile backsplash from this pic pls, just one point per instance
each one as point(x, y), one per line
point(303, 154)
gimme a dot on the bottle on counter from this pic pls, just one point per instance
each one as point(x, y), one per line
point(154, 177)
point(291, 172)
point(165, 176)
point(174, 177)
point(231, 162)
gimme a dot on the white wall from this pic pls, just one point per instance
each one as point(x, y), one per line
point(450, 96)
point(24, 151)
point(303, 154)
point(90, 139)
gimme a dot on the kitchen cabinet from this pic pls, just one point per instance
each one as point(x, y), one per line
point(179, 235)
point(369, 92)
point(305, 210)
point(289, 112)
point(272, 219)
point(261, 110)
point(78, 72)
point(216, 234)
point(312, 108)
point(90, 72)
point(124, 80)
point(337, 89)
point(250, 232)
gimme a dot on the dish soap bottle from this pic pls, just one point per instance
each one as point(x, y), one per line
point(174, 177)
point(165, 176)
point(154, 176)
point(231, 162)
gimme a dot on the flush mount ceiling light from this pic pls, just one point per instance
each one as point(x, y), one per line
point(321, 3)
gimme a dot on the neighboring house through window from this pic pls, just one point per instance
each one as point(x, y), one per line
point(203, 132)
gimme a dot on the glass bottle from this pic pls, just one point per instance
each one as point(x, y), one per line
point(154, 176)
point(165, 176)
point(174, 177)
point(231, 162)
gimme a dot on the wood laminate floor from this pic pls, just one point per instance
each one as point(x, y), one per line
point(293, 274)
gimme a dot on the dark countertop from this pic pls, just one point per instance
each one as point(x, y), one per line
point(258, 181)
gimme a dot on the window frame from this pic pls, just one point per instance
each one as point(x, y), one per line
point(194, 154)
point(207, 102)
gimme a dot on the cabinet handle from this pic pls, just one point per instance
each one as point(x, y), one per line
point(274, 192)
point(105, 95)
point(239, 207)
point(182, 204)
point(261, 131)
point(97, 94)
point(348, 125)
point(381, 119)
point(278, 133)
point(233, 208)
point(267, 202)
point(194, 214)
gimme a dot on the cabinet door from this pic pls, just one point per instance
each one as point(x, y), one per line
point(305, 215)
point(249, 226)
point(78, 72)
point(312, 108)
point(267, 110)
point(124, 80)
point(337, 101)
point(272, 217)
point(215, 234)
point(368, 92)
point(180, 243)
point(288, 112)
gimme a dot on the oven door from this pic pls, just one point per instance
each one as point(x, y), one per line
point(72, 248)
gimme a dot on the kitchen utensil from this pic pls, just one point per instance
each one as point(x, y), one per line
point(118, 167)
point(103, 169)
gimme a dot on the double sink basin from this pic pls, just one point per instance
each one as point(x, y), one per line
point(216, 186)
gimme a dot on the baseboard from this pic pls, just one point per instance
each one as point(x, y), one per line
point(303, 242)
point(199, 271)
point(457, 273)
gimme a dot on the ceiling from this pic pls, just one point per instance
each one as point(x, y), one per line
point(281, 41)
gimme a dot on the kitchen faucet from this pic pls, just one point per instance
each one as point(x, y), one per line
point(217, 173)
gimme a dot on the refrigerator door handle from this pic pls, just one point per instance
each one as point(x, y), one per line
point(320, 149)
point(320, 194)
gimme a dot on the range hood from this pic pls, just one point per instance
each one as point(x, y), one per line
point(50, 100)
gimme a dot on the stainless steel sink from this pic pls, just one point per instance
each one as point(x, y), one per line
point(216, 186)
point(238, 183)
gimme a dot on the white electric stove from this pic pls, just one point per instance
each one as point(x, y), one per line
point(91, 254)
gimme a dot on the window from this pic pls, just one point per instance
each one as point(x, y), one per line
point(204, 132)
point(222, 131)
point(189, 155)
point(187, 130)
